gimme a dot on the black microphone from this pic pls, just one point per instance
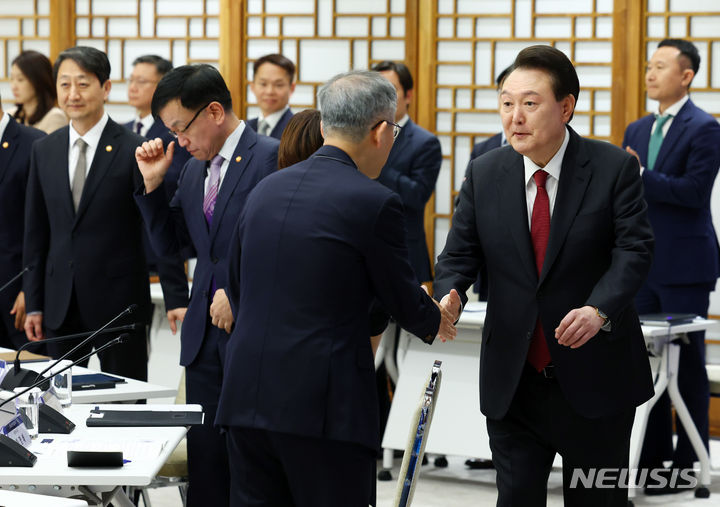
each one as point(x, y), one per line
point(127, 311)
point(27, 268)
point(21, 377)
point(111, 343)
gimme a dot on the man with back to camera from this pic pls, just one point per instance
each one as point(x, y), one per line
point(679, 153)
point(83, 232)
point(273, 83)
point(15, 146)
point(229, 159)
point(147, 71)
point(315, 244)
point(560, 223)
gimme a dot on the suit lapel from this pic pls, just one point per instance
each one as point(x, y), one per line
point(403, 139)
point(643, 139)
point(105, 153)
point(675, 132)
point(236, 166)
point(8, 145)
point(513, 208)
point(574, 179)
point(58, 176)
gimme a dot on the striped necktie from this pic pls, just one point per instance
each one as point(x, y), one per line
point(213, 188)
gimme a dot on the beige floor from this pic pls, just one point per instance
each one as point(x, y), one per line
point(454, 486)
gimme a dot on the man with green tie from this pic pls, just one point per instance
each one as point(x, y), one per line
point(679, 153)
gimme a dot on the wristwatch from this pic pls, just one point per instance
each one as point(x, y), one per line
point(606, 321)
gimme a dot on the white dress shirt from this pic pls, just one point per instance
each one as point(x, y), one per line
point(227, 151)
point(92, 138)
point(553, 169)
point(272, 119)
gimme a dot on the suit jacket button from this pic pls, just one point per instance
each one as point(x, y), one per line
point(215, 260)
point(529, 335)
point(70, 263)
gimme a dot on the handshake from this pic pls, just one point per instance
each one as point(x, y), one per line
point(449, 307)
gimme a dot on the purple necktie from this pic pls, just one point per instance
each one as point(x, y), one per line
point(213, 188)
point(138, 127)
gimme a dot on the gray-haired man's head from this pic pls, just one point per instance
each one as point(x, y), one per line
point(352, 102)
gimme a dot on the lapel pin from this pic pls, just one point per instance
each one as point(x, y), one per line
point(108, 148)
point(238, 158)
point(5, 144)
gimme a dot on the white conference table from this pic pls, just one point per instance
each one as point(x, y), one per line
point(458, 426)
point(131, 390)
point(19, 499)
point(146, 448)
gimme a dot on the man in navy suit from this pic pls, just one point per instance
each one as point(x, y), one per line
point(679, 153)
point(83, 232)
point(273, 83)
point(15, 143)
point(412, 167)
point(147, 72)
point(229, 159)
point(560, 223)
point(315, 243)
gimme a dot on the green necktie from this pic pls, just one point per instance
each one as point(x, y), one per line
point(656, 140)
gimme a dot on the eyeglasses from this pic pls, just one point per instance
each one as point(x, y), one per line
point(396, 127)
point(175, 134)
point(140, 82)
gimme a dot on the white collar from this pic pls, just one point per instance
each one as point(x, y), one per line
point(273, 118)
point(228, 148)
point(92, 136)
point(4, 123)
point(675, 108)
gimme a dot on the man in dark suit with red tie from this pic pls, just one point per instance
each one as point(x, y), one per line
point(229, 159)
point(560, 223)
point(15, 146)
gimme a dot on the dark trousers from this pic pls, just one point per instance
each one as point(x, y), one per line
point(541, 423)
point(208, 467)
point(128, 359)
point(692, 377)
point(271, 469)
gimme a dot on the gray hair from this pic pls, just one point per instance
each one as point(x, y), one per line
point(350, 103)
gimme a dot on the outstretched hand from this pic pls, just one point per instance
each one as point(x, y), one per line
point(449, 307)
point(154, 162)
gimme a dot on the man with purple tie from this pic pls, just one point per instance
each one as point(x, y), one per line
point(229, 159)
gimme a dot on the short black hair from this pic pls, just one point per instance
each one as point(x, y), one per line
point(501, 77)
point(89, 59)
point(688, 52)
point(162, 66)
point(276, 59)
point(563, 77)
point(194, 85)
point(399, 68)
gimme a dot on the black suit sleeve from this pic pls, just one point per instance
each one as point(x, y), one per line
point(36, 239)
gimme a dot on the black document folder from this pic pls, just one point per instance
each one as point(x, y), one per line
point(95, 381)
point(108, 418)
point(667, 319)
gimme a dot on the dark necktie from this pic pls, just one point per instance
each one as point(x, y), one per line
point(539, 355)
point(138, 127)
point(656, 140)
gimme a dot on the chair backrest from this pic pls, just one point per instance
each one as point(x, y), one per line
point(417, 438)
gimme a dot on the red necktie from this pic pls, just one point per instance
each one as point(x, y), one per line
point(539, 355)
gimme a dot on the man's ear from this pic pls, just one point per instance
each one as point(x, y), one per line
point(216, 112)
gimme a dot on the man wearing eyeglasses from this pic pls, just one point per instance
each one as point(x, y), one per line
point(194, 103)
point(315, 244)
